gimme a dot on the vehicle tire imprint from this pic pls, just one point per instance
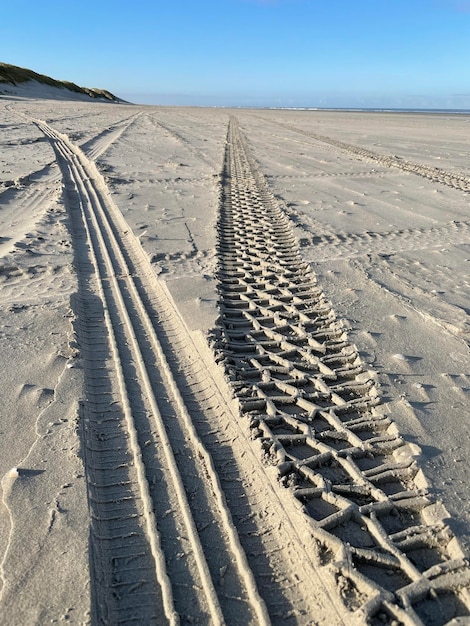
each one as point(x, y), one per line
point(98, 145)
point(158, 555)
point(178, 136)
point(316, 412)
point(339, 245)
point(434, 174)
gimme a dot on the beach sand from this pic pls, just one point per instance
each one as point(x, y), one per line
point(378, 203)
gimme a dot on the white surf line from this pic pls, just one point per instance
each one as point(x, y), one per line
point(239, 554)
point(152, 531)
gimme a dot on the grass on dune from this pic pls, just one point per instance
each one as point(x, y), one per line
point(14, 75)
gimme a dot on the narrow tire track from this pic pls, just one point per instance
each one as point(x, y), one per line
point(434, 174)
point(138, 361)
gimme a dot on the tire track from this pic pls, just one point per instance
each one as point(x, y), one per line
point(144, 459)
point(30, 197)
point(95, 147)
point(178, 136)
point(366, 174)
point(347, 245)
point(434, 174)
point(316, 412)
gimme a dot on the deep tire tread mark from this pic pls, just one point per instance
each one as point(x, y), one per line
point(315, 411)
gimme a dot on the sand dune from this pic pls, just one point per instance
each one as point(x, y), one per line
point(234, 348)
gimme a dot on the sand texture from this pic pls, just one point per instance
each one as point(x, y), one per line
point(235, 366)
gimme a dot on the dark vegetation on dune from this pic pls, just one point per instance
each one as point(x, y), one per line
point(11, 74)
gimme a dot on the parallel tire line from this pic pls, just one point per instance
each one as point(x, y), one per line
point(88, 199)
point(339, 245)
point(96, 146)
point(314, 409)
point(92, 204)
point(187, 144)
point(455, 180)
point(242, 504)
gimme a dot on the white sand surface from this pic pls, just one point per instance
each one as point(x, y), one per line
point(390, 248)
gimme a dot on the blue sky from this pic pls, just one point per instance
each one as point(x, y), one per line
point(332, 53)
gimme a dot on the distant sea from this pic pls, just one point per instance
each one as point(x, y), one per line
point(374, 110)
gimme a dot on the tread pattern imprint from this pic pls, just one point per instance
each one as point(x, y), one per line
point(316, 412)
